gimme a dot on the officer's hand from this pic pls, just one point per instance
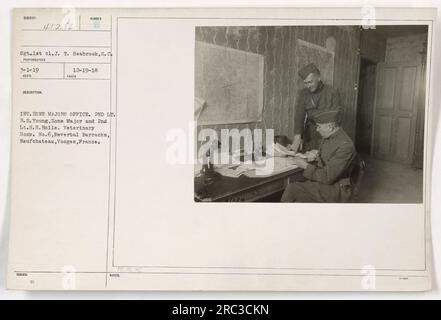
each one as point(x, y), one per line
point(300, 162)
point(311, 155)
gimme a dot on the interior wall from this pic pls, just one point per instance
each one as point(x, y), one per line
point(405, 48)
point(372, 45)
point(281, 82)
point(366, 97)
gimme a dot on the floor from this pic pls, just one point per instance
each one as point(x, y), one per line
point(389, 182)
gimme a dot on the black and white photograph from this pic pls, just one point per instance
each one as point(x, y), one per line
point(264, 150)
point(328, 114)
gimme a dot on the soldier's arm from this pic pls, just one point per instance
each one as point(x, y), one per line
point(300, 113)
point(333, 169)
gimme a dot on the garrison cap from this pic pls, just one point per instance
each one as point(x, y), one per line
point(306, 70)
point(328, 116)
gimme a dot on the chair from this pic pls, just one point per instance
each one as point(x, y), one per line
point(356, 172)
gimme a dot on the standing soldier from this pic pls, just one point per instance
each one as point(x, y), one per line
point(316, 96)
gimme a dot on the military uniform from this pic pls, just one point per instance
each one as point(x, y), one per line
point(328, 179)
point(309, 103)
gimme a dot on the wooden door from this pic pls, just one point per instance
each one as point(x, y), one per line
point(396, 111)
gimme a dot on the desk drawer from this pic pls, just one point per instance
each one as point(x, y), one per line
point(258, 192)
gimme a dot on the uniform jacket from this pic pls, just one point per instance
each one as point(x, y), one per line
point(307, 103)
point(334, 158)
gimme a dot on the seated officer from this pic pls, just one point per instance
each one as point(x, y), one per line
point(328, 179)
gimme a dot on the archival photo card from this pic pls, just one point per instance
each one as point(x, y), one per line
point(232, 149)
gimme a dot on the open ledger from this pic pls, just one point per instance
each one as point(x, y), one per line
point(113, 109)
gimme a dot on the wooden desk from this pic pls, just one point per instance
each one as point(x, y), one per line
point(226, 189)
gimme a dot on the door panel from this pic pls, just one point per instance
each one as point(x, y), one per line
point(384, 129)
point(395, 111)
point(404, 132)
point(387, 88)
point(407, 93)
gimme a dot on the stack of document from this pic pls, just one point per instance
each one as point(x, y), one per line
point(236, 170)
point(280, 150)
point(271, 167)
